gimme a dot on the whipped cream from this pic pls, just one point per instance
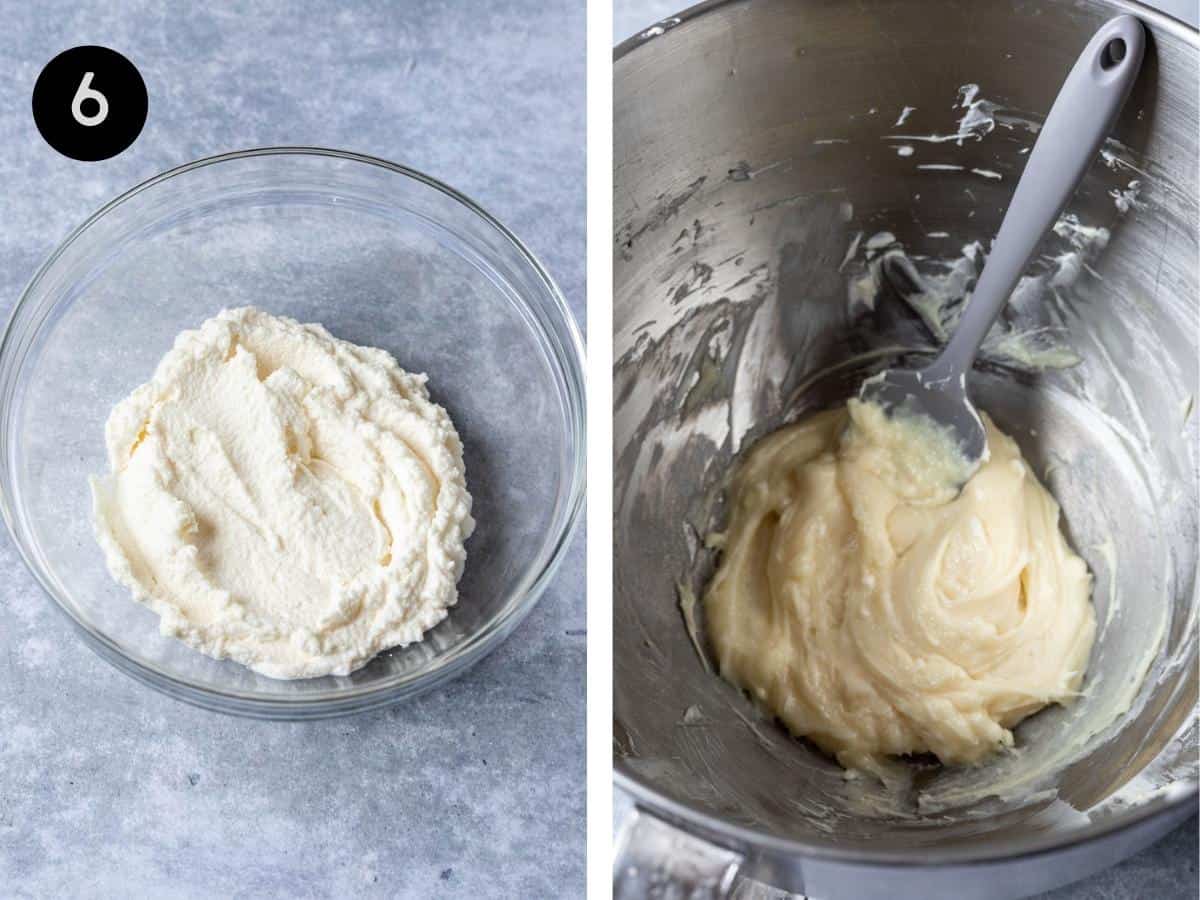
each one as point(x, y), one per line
point(283, 498)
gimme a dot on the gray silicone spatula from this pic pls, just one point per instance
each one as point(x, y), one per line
point(1078, 122)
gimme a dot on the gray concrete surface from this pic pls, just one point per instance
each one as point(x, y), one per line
point(1164, 871)
point(108, 789)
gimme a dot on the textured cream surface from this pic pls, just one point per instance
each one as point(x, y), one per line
point(283, 498)
point(916, 456)
point(879, 621)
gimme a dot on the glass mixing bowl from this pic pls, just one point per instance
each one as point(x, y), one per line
point(382, 256)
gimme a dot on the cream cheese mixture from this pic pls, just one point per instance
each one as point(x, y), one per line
point(283, 498)
point(918, 458)
point(879, 614)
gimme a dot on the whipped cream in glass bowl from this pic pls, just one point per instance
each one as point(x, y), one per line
point(381, 256)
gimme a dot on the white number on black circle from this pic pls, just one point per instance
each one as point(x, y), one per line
point(85, 92)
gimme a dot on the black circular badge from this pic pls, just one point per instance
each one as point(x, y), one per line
point(90, 103)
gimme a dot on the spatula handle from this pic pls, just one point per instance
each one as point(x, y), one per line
point(1079, 121)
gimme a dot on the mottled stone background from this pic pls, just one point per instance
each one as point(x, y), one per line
point(1166, 870)
point(108, 789)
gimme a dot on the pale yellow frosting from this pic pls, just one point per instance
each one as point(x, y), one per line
point(879, 617)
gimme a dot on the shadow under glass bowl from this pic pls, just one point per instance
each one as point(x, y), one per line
point(382, 256)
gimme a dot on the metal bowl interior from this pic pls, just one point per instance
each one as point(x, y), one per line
point(803, 193)
point(382, 256)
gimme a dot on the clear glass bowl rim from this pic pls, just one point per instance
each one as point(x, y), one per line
point(567, 352)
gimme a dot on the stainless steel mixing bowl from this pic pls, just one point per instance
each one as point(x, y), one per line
point(804, 192)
